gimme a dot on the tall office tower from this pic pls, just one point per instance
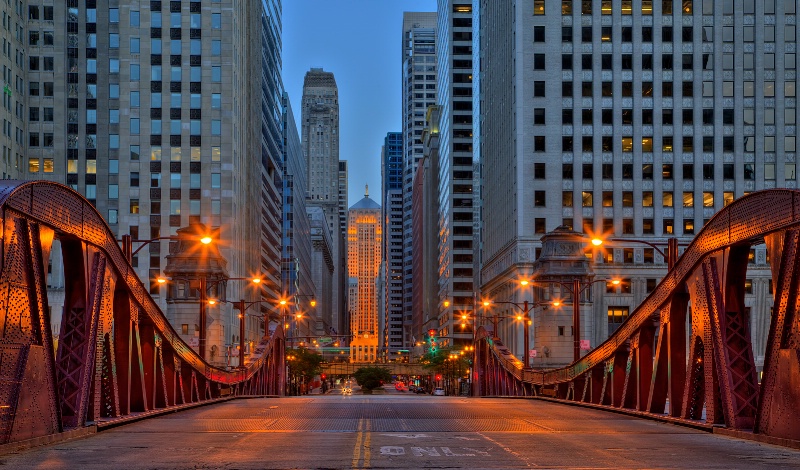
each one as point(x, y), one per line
point(455, 178)
point(155, 111)
point(322, 267)
point(419, 92)
point(296, 260)
point(662, 113)
point(397, 332)
point(320, 135)
point(37, 31)
point(425, 226)
point(320, 126)
point(343, 195)
point(342, 307)
point(477, 205)
point(364, 242)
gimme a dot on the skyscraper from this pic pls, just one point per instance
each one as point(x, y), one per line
point(320, 130)
point(297, 250)
point(635, 120)
point(320, 127)
point(396, 330)
point(164, 114)
point(419, 92)
point(455, 166)
point(364, 242)
point(13, 138)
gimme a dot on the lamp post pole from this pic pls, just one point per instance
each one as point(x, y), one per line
point(242, 307)
point(576, 317)
point(201, 343)
point(526, 337)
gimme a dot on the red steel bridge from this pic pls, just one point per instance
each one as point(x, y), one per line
point(654, 365)
point(117, 354)
point(119, 357)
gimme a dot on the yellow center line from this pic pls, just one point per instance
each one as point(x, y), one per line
point(357, 448)
point(367, 439)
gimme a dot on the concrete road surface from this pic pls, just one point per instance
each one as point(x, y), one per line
point(403, 431)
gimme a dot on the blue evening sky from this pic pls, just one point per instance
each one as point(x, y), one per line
point(360, 42)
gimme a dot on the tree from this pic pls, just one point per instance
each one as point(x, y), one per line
point(372, 377)
point(304, 365)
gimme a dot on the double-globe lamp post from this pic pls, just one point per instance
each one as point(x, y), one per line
point(524, 316)
point(205, 302)
point(284, 303)
point(576, 288)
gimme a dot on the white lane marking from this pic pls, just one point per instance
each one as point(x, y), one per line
point(477, 451)
point(446, 451)
point(393, 450)
point(420, 451)
point(407, 436)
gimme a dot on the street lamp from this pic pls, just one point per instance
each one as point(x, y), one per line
point(127, 243)
point(284, 303)
point(205, 301)
point(671, 256)
point(523, 316)
point(576, 288)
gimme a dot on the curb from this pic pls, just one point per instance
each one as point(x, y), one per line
point(65, 436)
point(96, 427)
point(709, 428)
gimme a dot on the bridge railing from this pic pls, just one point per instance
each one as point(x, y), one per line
point(117, 353)
point(644, 365)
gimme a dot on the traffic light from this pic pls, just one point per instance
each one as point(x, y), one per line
point(322, 376)
point(432, 338)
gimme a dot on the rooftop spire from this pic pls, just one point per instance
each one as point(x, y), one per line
point(366, 190)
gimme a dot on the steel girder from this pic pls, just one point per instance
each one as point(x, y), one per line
point(644, 365)
point(117, 353)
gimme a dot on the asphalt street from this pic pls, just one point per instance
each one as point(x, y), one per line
point(402, 431)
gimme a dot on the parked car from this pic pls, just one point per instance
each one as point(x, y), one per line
point(438, 391)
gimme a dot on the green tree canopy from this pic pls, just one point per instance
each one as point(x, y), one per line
point(304, 362)
point(372, 377)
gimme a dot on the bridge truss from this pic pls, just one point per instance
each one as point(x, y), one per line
point(117, 353)
point(654, 364)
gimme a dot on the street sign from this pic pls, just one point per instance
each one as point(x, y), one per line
point(533, 353)
point(585, 346)
point(194, 342)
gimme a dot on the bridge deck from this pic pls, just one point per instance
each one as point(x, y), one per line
point(402, 431)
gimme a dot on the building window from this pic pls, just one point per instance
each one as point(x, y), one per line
point(539, 199)
point(668, 227)
point(540, 225)
point(538, 113)
point(539, 88)
point(566, 198)
point(539, 171)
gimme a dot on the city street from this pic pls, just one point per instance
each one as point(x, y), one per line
point(400, 430)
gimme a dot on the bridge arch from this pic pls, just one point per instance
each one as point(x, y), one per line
point(117, 352)
point(652, 364)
